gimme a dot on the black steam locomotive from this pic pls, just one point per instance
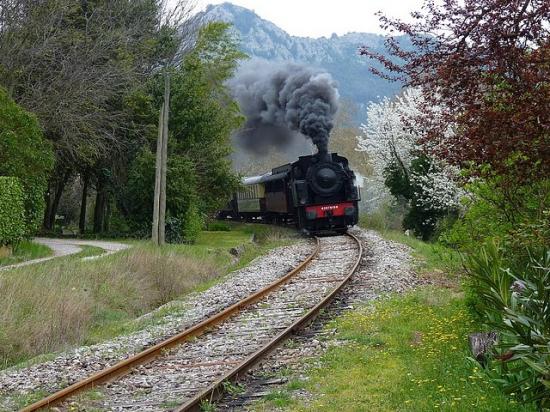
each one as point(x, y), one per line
point(317, 193)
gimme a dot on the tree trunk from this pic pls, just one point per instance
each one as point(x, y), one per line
point(52, 202)
point(107, 217)
point(83, 204)
point(481, 344)
point(99, 210)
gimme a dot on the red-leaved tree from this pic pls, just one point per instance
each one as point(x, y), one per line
point(487, 62)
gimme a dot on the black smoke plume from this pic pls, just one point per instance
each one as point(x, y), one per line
point(282, 101)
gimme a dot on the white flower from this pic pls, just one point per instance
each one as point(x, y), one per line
point(391, 135)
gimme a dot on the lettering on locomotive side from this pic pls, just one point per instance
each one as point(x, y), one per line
point(330, 207)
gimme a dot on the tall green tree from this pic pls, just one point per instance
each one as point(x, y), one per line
point(25, 154)
point(75, 64)
point(203, 116)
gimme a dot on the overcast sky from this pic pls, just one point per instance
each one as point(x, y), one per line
point(316, 18)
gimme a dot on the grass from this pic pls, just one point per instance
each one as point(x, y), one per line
point(26, 250)
point(430, 257)
point(403, 353)
point(406, 353)
point(68, 302)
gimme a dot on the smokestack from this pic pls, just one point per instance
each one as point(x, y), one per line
point(282, 102)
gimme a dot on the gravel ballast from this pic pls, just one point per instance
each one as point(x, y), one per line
point(386, 267)
point(71, 366)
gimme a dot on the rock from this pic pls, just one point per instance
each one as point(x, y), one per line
point(481, 344)
point(237, 251)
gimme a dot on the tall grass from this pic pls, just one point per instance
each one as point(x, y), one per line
point(67, 301)
point(48, 307)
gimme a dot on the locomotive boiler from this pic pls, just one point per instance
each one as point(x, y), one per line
point(317, 193)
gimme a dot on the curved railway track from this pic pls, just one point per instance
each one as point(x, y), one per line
point(192, 368)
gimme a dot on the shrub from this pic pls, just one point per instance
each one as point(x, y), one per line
point(389, 216)
point(514, 300)
point(192, 223)
point(425, 207)
point(12, 211)
point(25, 154)
point(514, 215)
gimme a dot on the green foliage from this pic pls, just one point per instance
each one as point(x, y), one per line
point(419, 217)
point(204, 114)
point(515, 215)
point(515, 301)
point(180, 194)
point(388, 216)
point(12, 211)
point(26, 155)
point(202, 117)
point(193, 223)
point(219, 227)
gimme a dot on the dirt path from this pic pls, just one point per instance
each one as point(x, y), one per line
point(66, 247)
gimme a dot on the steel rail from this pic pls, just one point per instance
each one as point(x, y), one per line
point(216, 389)
point(126, 366)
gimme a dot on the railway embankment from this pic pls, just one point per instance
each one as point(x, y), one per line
point(137, 303)
point(395, 339)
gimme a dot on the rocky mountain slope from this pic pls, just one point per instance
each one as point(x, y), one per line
point(337, 54)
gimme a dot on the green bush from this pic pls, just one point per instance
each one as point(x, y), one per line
point(512, 214)
point(12, 211)
point(515, 300)
point(25, 154)
point(420, 217)
point(389, 216)
point(192, 224)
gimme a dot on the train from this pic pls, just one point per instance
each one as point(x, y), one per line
point(317, 193)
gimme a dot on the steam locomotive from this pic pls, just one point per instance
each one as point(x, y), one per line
point(317, 193)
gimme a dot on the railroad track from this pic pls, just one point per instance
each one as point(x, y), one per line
point(194, 367)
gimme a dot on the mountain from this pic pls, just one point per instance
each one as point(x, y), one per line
point(338, 54)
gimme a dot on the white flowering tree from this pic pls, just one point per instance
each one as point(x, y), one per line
point(391, 138)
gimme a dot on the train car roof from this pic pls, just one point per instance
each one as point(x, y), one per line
point(267, 177)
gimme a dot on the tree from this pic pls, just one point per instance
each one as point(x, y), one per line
point(25, 154)
point(75, 64)
point(203, 116)
point(426, 184)
point(486, 64)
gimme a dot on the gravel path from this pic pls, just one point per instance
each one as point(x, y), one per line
point(76, 364)
point(66, 247)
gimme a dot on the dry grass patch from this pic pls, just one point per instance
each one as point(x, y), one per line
point(49, 307)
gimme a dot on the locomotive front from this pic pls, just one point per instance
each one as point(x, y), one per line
point(324, 193)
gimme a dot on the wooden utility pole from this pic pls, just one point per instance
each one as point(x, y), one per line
point(156, 198)
point(159, 201)
point(164, 166)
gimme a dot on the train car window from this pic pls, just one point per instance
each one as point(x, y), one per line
point(250, 192)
